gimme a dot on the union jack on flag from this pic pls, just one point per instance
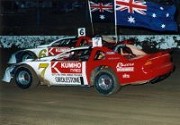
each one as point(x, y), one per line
point(101, 7)
point(132, 6)
point(136, 13)
point(101, 10)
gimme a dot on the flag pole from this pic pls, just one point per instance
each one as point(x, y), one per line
point(92, 25)
point(115, 22)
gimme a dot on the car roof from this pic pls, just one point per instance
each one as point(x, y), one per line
point(64, 38)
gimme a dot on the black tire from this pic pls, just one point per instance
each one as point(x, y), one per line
point(25, 77)
point(27, 55)
point(106, 82)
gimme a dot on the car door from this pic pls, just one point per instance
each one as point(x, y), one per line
point(68, 72)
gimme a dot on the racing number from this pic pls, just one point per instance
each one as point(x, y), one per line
point(44, 67)
point(81, 32)
point(42, 53)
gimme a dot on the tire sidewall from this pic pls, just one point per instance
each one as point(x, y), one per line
point(113, 88)
point(20, 85)
point(34, 80)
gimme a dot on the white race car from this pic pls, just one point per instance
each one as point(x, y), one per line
point(56, 47)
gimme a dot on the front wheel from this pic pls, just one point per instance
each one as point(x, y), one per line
point(26, 78)
point(106, 82)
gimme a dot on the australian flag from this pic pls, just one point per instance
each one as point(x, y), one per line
point(149, 15)
point(101, 11)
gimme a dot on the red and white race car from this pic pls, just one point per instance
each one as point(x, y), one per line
point(103, 68)
point(56, 47)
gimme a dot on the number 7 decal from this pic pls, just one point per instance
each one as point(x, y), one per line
point(43, 66)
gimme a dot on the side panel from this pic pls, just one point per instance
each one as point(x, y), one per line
point(63, 72)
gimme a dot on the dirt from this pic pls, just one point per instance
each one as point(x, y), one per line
point(148, 104)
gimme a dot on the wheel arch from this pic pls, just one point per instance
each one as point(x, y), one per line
point(21, 53)
point(24, 66)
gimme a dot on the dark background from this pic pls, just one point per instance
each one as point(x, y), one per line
point(59, 17)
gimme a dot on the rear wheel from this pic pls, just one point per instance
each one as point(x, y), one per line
point(106, 82)
point(26, 78)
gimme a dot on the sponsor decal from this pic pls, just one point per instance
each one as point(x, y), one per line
point(68, 80)
point(52, 51)
point(73, 65)
point(56, 50)
point(60, 50)
point(66, 67)
point(125, 67)
point(126, 76)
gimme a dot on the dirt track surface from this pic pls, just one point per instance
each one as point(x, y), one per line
point(148, 104)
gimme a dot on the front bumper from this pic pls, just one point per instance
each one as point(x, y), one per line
point(8, 74)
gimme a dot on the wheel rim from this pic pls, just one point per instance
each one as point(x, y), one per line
point(105, 82)
point(24, 78)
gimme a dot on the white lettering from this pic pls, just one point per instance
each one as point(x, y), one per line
point(71, 65)
point(124, 64)
point(62, 49)
point(125, 67)
point(126, 76)
point(75, 70)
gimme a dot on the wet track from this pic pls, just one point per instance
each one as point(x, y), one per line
point(148, 104)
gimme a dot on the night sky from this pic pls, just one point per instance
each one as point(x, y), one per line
point(59, 17)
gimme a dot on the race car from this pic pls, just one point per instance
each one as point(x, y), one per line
point(56, 47)
point(105, 69)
